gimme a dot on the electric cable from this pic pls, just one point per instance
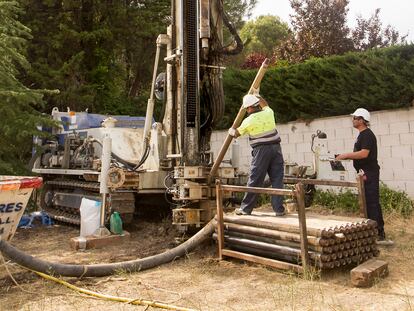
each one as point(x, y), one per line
point(137, 301)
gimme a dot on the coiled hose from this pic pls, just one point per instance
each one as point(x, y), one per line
point(71, 270)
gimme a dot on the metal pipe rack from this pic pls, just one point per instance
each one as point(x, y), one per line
point(288, 243)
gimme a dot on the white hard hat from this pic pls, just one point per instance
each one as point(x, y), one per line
point(362, 112)
point(250, 100)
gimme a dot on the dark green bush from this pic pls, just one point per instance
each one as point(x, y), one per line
point(376, 80)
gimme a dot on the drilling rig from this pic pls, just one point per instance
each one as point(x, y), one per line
point(151, 161)
point(195, 100)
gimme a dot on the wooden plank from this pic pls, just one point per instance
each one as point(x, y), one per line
point(305, 181)
point(92, 241)
point(367, 273)
point(300, 198)
point(220, 225)
point(361, 196)
point(271, 191)
point(264, 261)
point(238, 120)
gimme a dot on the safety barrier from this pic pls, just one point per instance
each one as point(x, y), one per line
point(15, 192)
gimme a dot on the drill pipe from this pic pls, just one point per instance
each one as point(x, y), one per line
point(325, 233)
point(332, 228)
point(337, 242)
point(282, 257)
point(340, 252)
point(273, 248)
point(280, 235)
point(315, 248)
point(336, 260)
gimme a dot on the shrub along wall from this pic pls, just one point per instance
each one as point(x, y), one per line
point(376, 80)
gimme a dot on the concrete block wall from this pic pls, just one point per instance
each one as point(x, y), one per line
point(395, 136)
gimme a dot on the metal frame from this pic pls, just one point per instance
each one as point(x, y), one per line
point(60, 171)
point(359, 184)
point(299, 193)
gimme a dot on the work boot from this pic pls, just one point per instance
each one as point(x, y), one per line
point(280, 214)
point(240, 212)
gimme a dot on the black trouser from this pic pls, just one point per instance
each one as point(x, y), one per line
point(372, 198)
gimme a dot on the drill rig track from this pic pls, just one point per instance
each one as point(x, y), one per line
point(61, 200)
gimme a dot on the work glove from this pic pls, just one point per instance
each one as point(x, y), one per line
point(232, 132)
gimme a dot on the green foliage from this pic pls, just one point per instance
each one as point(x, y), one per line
point(263, 34)
point(344, 201)
point(237, 9)
point(18, 103)
point(391, 201)
point(98, 53)
point(395, 201)
point(320, 29)
point(376, 80)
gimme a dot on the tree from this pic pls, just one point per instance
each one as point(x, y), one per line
point(319, 28)
point(98, 53)
point(253, 61)
point(18, 103)
point(376, 79)
point(238, 9)
point(369, 34)
point(263, 34)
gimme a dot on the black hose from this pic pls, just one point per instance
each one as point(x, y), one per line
point(129, 165)
point(72, 270)
point(144, 156)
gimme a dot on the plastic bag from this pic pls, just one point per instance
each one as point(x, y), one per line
point(90, 211)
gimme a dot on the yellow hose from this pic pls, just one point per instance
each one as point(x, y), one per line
point(113, 298)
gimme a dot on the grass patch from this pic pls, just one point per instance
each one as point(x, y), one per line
point(392, 201)
point(395, 201)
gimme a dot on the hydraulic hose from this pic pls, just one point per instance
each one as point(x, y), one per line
point(96, 270)
point(127, 164)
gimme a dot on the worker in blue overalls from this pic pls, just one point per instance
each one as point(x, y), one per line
point(266, 152)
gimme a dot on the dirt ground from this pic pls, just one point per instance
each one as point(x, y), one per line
point(200, 281)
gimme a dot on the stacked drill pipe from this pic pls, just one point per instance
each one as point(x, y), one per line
point(332, 241)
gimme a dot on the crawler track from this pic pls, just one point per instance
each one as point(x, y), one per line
point(61, 200)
